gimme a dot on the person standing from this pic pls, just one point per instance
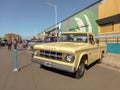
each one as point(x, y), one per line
point(15, 43)
point(54, 37)
point(15, 55)
point(9, 42)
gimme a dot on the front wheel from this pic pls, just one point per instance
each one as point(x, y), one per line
point(41, 66)
point(81, 69)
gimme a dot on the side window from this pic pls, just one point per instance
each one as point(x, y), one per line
point(91, 40)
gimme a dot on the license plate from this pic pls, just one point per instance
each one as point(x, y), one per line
point(48, 64)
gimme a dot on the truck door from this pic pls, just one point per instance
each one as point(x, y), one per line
point(93, 49)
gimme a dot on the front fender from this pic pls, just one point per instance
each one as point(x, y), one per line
point(78, 59)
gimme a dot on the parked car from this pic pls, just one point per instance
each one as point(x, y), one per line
point(3, 43)
point(31, 43)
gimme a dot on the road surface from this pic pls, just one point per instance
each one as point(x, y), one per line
point(31, 77)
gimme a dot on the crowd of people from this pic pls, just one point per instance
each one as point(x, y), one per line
point(14, 43)
point(10, 42)
point(49, 37)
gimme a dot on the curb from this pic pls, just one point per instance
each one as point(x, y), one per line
point(112, 60)
point(117, 66)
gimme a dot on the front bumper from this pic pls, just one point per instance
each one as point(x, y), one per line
point(70, 69)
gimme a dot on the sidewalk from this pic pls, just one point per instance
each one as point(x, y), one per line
point(111, 59)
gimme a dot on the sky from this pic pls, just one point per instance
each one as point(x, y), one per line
point(30, 17)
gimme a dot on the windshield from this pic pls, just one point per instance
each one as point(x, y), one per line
point(73, 38)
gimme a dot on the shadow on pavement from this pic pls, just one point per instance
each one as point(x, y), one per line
point(25, 66)
point(67, 73)
point(92, 65)
point(58, 71)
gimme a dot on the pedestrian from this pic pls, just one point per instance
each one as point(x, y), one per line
point(9, 42)
point(47, 38)
point(53, 37)
point(15, 43)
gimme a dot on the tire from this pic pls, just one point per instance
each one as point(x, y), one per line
point(81, 70)
point(101, 58)
point(41, 66)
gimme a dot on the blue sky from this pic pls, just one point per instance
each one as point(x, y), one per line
point(29, 17)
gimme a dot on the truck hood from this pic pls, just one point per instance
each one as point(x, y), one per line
point(62, 46)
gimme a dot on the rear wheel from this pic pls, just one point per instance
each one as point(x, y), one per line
point(81, 69)
point(101, 58)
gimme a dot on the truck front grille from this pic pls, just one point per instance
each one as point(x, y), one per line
point(51, 54)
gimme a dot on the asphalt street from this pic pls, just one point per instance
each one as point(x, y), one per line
point(31, 77)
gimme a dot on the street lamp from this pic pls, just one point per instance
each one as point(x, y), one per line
point(52, 5)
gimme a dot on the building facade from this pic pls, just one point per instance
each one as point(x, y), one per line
point(109, 24)
point(12, 36)
point(102, 18)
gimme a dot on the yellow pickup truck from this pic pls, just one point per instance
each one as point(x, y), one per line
point(72, 52)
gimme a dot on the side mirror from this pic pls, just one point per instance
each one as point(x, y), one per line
point(93, 42)
point(97, 41)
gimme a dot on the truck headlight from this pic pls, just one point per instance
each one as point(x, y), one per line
point(69, 58)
